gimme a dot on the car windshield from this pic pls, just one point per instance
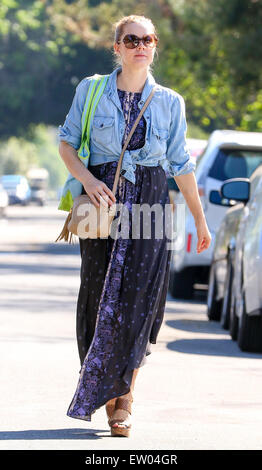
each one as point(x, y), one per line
point(235, 163)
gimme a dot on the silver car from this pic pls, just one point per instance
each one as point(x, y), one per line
point(246, 288)
point(222, 264)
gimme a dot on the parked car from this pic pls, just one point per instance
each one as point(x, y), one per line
point(229, 154)
point(246, 295)
point(195, 147)
point(222, 265)
point(38, 182)
point(17, 188)
point(4, 200)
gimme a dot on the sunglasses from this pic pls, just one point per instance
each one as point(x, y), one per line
point(131, 41)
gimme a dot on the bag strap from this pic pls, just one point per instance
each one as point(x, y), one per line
point(129, 137)
point(93, 96)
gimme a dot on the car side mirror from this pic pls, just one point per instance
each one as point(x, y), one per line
point(237, 189)
point(215, 198)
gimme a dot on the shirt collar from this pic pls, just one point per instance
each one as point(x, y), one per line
point(111, 87)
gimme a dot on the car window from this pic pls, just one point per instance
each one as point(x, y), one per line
point(234, 163)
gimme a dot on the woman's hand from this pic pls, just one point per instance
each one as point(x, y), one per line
point(188, 186)
point(98, 192)
point(204, 236)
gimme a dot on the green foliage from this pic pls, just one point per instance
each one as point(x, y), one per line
point(213, 58)
point(16, 155)
point(38, 148)
point(45, 140)
point(210, 51)
point(196, 132)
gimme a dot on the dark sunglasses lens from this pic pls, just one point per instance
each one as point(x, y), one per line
point(148, 40)
point(130, 41)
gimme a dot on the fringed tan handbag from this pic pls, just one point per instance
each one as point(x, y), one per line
point(85, 220)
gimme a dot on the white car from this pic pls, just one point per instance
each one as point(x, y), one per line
point(4, 200)
point(17, 188)
point(196, 148)
point(229, 154)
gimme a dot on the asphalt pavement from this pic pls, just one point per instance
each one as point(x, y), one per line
point(197, 390)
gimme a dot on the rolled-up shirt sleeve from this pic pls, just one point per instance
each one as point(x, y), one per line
point(71, 130)
point(179, 160)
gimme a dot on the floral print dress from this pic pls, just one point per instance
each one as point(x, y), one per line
point(123, 288)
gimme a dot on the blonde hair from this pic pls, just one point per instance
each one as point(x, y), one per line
point(119, 26)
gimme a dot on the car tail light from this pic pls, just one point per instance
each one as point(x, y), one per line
point(201, 190)
point(189, 240)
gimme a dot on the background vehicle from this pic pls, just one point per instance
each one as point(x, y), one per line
point(196, 147)
point(246, 297)
point(4, 200)
point(229, 154)
point(222, 264)
point(38, 181)
point(17, 188)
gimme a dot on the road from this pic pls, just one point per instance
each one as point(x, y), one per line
point(197, 391)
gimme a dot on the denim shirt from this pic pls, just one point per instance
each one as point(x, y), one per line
point(165, 139)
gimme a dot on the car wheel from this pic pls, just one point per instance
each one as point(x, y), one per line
point(213, 305)
point(233, 322)
point(225, 311)
point(181, 284)
point(250, 329)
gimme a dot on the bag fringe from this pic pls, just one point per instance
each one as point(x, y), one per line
point(65, 234)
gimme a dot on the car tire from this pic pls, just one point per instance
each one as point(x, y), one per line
point(226, 304)
point(181, 284)
point(213, 305)
point(250, 330)
point(233, 322)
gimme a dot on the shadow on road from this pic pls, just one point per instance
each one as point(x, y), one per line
point(199, 297)
point(47, 269)
point(211, 347)
point(197, 326)
point(59, 248)
point(51, 434)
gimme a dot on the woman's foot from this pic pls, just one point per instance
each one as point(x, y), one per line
point(120, 421)
point(110, 408)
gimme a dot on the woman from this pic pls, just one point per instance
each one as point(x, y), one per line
point(124, 281)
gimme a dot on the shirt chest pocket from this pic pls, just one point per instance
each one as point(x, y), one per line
point(102, 130)
point(159, 139)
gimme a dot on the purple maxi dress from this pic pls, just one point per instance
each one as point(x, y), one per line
point(123, 288)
